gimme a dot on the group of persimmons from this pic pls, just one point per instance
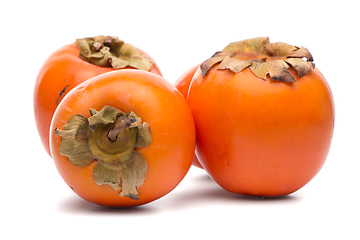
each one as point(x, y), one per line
point(260, 116)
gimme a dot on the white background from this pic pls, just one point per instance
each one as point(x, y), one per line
point(35, 202)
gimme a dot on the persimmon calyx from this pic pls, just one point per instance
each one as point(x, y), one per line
point(263, 58)
point(106, 51)
point(109, 137)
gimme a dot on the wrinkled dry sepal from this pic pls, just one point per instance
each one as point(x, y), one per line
point(84, 48)
point(141, 62)
point(144, 136)
point(253, 46)
point(118, 63)
point(302, 67)
point(302, 53)
point(263, 58)
point(107, 173)
point(104, 58)
point(216, 58)
point(133, 172)
point(234, 64)
point(135, 58)
point(110, 137)
point(280, 49)
point(275, 69)
point(74, 141)
point(106, 51)
point(106, 115)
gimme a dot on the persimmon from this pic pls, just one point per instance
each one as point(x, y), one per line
point(182, 84)
point(123, 138)
point(264, 117)
point(73, 64)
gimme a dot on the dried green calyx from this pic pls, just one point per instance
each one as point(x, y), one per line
point(109, 137)
point(106, 51)
point(263, 58)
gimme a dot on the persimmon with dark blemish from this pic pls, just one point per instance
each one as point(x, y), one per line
point(75, 63)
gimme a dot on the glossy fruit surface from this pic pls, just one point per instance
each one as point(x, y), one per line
point(155, 102)
point(182, 84)
point(261, 137)
point(61, 72)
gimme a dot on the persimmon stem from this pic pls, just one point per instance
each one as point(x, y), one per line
point(126, 123)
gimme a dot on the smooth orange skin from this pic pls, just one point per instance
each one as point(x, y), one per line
point(155, 101)
point(182, 84)
point(261, 137)
point(61, 72)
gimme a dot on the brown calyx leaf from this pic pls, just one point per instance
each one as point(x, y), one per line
point(263, 58)
point(217, 57)
point(126, 176)
point(106, 115)
point(276, 69)
point(133, 174)
point(300, 65)
point(302, 53)
point(106, 51)
point(248, 46)
point(107, 173)
point(75, 135)
point(280, 49)
point(234, 64)
point(108, 137)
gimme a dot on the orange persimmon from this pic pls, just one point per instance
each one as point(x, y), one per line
point(264, 117)
point(123, 138)
point(73, 64)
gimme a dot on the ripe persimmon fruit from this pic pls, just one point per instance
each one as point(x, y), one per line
point(123, 138)
point(73, 64)
point(264, 117)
